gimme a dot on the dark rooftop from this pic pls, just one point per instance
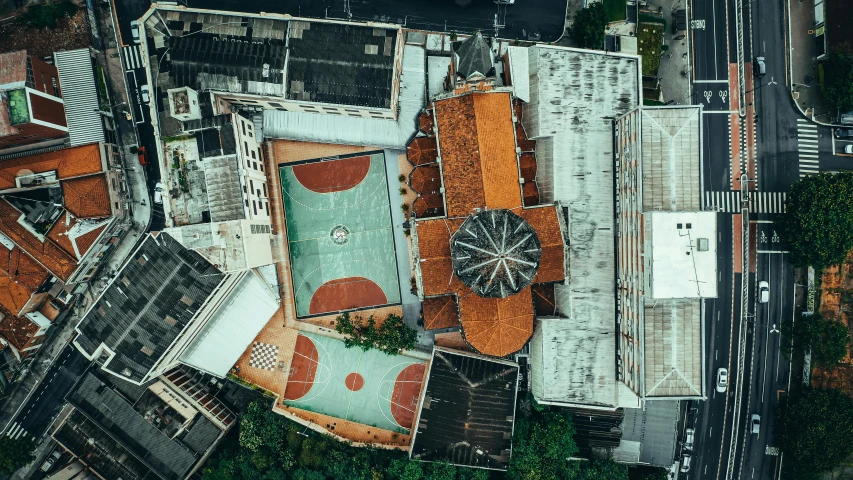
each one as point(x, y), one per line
point(341, 64)
point(474, 56)
point(152, 298)
point(227, 63)
point(468, 411)
point(115, 416)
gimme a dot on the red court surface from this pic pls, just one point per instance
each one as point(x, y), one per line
point(407, 389)
point(303, 369)
point(354, 382)
point(333, 175)
point(345, 294)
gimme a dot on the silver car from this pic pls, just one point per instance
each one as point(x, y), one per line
point(722, 380)
point(134, 30)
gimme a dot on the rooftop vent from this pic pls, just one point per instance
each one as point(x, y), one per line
point(702, 244)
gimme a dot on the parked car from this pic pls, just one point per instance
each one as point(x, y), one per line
point(844, 133)
point(760, 66)
point(143, 155)
point(685, 463)
point(755, 423)
point(689, 436)
point(722, 380)
point(158, 192)
point(848, 148)
point(51, 460)
point(143, 92)
point(134, 30)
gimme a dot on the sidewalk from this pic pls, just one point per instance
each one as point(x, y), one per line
point(674, 67)
point(803, 57)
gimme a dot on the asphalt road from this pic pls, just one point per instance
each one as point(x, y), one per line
point(36, 415)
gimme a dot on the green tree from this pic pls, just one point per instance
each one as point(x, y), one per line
point(837, 83)
point(46, 16)
point(815, 427)
point(657, 474)
point(463, 473)
point(588, 27)
point(542, 446)
point(405, 469)
point(603, 470)
point(828, 340)
point(391, 337)
point(14, 454)
point(440, 471)
point(818, 222)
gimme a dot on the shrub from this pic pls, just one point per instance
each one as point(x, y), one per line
point(46, 16)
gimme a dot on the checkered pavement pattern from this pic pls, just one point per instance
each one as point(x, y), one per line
point(263, 356)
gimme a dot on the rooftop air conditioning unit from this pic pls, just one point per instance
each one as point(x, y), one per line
point(702, 244)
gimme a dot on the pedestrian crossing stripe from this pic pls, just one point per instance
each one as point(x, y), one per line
point(132, 57)
point(16, 431)
point(759, 202)
point(807, 148)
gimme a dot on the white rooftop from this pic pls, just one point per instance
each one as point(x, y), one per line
point(231, 329)
point(230, 246)
point(684, 254)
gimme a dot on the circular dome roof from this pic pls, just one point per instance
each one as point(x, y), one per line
point(495, 253)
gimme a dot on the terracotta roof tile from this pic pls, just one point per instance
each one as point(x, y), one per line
point(426, 179)
point(434, 250)
point(498, 159)
point(59, 234)
point(20, 277)
point(544, 220)
point(422, 150)
point(85, 241)
point(544, 303)
point(531, 194)
point(48, 253)
point(428, 206)
point(13, 67)
point(67, 162)
point(425, 122)
point(87, 197)
point(17, 330)
point(460, 155)
point(440, 312)
point(527, 165)
point(497, 326)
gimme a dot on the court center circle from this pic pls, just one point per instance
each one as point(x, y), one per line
point(354, 381)
point(339, 234)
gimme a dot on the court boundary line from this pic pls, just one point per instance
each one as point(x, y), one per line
point(296, 290)
point(390, 400)
point(369, 161)
point(325, 385)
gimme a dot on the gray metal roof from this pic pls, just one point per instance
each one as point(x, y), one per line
point(114, 415)
point(224, 188)
point(468, 411)
point(671, 155)
point(154, 296)
point(82, 111)
point(201, 435)
point(473, 56)
point(672, 350)
point(339, 129)
point(653, 429)
point(341, 64)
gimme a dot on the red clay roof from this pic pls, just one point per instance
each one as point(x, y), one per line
point(497, 326)
point(425, 179)
point(87, 197)
point(13, 67)
point(434, 249)
point(544, 220)
point(422, 150)
point(477, 149)
point(20, 277)
point(429, 206)
point(17, 330)
point(68, 163)
point(59, 234)
point(85, 241)
point(425, 122)
point(48, 253)
point(440, 312)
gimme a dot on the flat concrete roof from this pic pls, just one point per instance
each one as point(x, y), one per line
point(684, 254)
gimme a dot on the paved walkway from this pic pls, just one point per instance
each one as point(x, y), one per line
point(803, 58)
point(674, 67)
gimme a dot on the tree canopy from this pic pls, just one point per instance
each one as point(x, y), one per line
point(818, 222)
point(391, 337)
point(815, 427)
point(588, 26)
point(827, 339)
point(14, 454)
point(837, 84)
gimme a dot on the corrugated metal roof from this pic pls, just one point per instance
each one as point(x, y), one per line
point(80, 96)
point(314, 127)
point(673, 345)
point(671, 155)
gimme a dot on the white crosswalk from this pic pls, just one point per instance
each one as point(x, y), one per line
point(132, 57)
point(16, 431)
point(807, 147)
point(759, 202)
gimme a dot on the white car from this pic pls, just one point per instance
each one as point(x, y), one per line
point(143, 92)
point(848, 148)
point(685, 463)
point(763, 292)
point(158, 192)
point(689, 436)
point(722, 380)
point(51, 460)
point(134, 30)
point(755, 422)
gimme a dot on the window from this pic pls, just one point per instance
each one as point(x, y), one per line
point(252, 185)
point(275, 105)
point(255, 207)
point(256, 165)
point(246, 147)
point(259, 228)
point(247, 203)
point(244, 189)
point(265, 190)
point(267, 207)
point(243, 124)
point(253, 154)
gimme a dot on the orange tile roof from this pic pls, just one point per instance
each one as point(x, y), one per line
point(48, 253)
point(425, 179)
point(68, 163)
point(422, 150)
point(85, 241)
point(20, 277)
point(440, 312)
point(497, 326)
point(59, 234)
point(544, 220)
point(17, 330)
point(87, 197)
point(477, 150)
point(428, 206)
point(425, 122)
point(531, 194)
point(434, 249)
